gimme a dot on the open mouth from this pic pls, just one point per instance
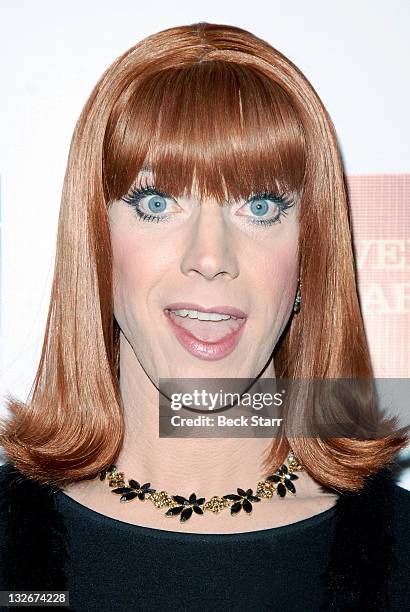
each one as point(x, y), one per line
point(208, 327)
point(208, 334)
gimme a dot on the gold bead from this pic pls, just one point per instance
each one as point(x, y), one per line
point(161, 499)
point(265, 489)
point(216, 504)
point(117, 480)
point(293, 463)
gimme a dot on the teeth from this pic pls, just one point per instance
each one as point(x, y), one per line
point(203, 316)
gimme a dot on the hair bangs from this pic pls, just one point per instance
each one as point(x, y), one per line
point(216, 128)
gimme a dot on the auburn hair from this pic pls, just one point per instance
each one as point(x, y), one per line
point(218, 104)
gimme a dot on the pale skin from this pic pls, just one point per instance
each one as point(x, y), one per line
point(208, 255)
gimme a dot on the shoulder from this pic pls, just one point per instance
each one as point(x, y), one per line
point(33, 538)
point(400, 515)
point(397, 499)
point(400, 526)
point(23, 500)
point(9, 476)
point(400, 501)
point(369, 553)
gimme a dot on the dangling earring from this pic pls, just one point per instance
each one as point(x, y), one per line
point(298, 299)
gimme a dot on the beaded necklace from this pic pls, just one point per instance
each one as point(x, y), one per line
point(282, 481)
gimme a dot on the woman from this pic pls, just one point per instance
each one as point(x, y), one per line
point(203, 171)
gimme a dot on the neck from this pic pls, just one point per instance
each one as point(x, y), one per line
point(206, 466)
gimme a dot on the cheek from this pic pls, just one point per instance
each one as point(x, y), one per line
point(124, 273)
point(283, 274)
point(138, 265)
point(133, 279)
point(274, 280)
point(125, 267)
point(277, 269)
point(135, 261)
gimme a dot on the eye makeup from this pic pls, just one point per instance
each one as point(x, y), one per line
point(136, 194)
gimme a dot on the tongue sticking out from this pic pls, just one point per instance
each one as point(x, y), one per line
point(208, 331)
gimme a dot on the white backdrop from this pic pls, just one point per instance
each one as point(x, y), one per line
point(355, 53)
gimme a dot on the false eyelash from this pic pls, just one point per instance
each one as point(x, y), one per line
point(142, 192)
point(286, 202)
point(269, 195)
point(134, 196)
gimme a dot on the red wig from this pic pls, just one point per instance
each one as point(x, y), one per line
point(216, 103)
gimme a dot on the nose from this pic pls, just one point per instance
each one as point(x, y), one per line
point(210, 250)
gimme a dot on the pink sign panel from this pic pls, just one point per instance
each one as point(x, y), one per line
point(381, 229)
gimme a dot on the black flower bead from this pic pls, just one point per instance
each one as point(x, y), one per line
point(133, 491)
point(284, 478)
point(104, 473)
point(242, 500)
point(186, 506)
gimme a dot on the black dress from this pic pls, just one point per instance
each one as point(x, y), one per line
point(353, 556)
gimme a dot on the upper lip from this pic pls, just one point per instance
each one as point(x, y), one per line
point(229, 310)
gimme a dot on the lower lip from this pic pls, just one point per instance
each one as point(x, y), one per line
point(208, 351)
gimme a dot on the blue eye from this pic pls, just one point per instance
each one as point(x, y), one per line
point(261, 203)
point(259, 207)
point(157, 203)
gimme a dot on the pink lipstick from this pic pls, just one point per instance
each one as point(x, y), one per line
point(209, 340)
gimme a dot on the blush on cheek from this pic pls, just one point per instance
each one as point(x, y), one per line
point(282, 273)
point(124, 259)
point(287, 277)
point(275, 283)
